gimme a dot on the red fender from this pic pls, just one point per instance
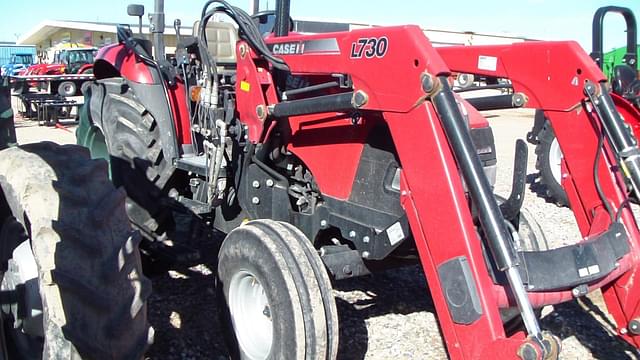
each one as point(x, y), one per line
point(85, 68)
point(124, 61)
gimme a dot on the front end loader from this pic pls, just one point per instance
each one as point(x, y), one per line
point(625, 86)
point(332, 155)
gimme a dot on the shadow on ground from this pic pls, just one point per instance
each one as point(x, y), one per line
point(397, 291)
point(585, 321)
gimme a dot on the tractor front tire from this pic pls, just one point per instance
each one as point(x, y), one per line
point(70, 258)
point(275, 295)
point(548, 163)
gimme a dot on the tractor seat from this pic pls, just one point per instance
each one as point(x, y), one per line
point(221, 41)
point(625, 82)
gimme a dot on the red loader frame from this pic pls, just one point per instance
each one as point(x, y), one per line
point(556, 87)
point(400, 98)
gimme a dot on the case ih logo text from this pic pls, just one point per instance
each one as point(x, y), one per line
point(369, 47)
point(288, 48)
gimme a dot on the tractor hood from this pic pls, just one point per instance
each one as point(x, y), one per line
point(45, 69)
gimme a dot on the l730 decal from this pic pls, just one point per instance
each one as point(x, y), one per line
point(369, 48)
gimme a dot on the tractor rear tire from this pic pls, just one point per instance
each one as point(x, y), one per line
point(275, 296)
point(548, 163)
point(67, 242)
point(136, 158)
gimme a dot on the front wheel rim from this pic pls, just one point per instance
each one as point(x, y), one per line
point(555, 160)
point(250, 315)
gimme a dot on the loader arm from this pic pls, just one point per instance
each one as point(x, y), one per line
point(385, 77)
point(557, 86)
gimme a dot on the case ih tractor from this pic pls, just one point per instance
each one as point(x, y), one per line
point(327, 156)
point(71, 280)
point(625, 93)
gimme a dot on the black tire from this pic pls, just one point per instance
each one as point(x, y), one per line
point(299, 309)
point(136, 157)
point(326, 290)
point(20, 88)
point(531, 238)
point(546, 152)
point(67, 88)
point(60, 210)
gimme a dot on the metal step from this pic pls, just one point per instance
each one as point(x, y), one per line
point(194, 164)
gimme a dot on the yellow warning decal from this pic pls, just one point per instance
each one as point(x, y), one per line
point(625, 170)
point(245, 86)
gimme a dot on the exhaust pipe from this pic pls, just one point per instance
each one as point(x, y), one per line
point(254, 6)
point(283, 8)
point(156, 27)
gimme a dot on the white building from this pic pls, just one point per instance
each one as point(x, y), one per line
point(50, 33)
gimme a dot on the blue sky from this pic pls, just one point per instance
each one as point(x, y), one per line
point(539, 19)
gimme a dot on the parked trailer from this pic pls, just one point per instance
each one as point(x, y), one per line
point(65, 85)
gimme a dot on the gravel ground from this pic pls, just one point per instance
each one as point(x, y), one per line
point(389, 315)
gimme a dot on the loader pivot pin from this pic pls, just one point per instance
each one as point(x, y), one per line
point(529, 351)
point(427, 83)
point(430, 84)
point(634, 326)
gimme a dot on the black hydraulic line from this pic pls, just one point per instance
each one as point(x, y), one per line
point(283, 8)
point(491, 219)
point(314, 105)
point(495, 102)
point(247, 30)
point(311, 88)
point(596, 174)
point(618, 133)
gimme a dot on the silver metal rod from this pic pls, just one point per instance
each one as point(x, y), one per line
point(526, 310)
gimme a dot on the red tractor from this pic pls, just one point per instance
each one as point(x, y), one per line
point(78, 60)
point(67, 60)
point(332, 155)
